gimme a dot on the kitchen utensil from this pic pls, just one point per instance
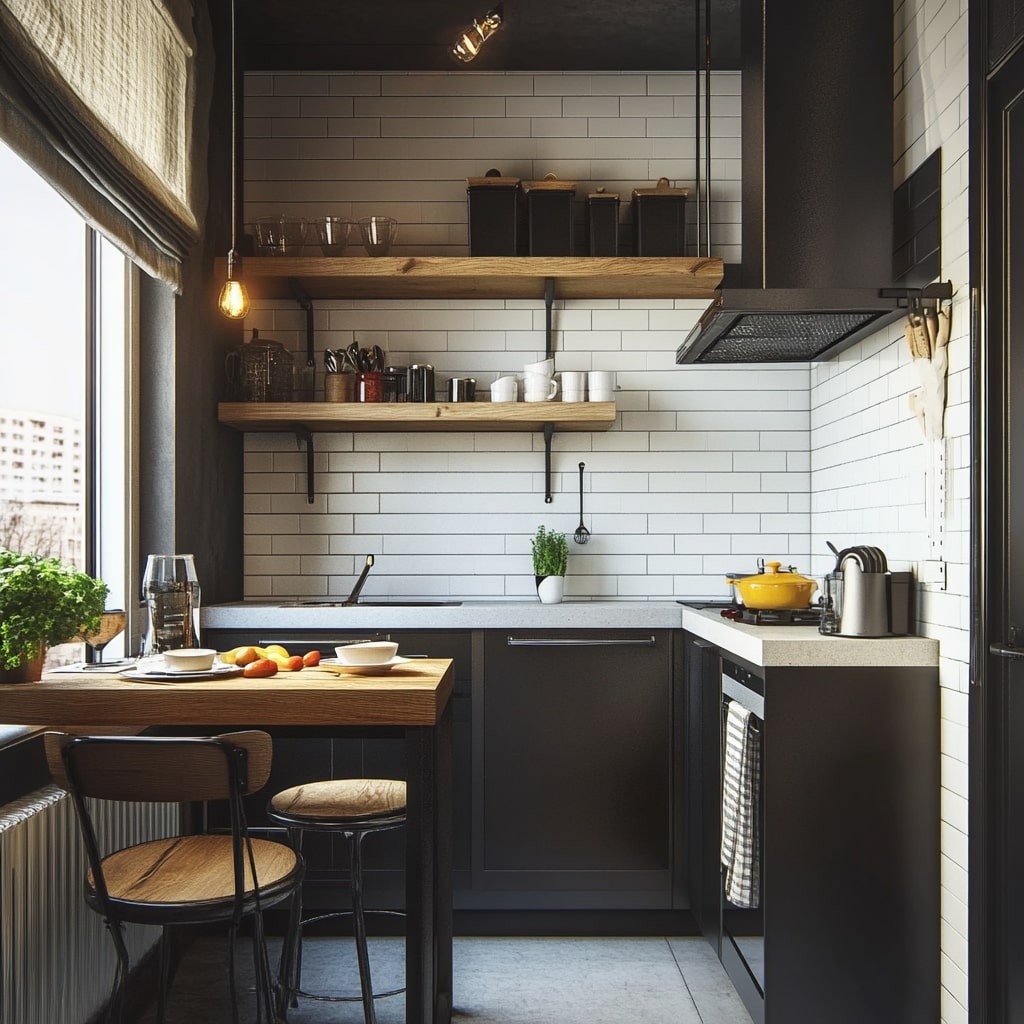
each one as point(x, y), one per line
point(331, 363)
point(538, 388)
point(582, 534)
point(379, 234)
point(377, 359)
point(775, 589)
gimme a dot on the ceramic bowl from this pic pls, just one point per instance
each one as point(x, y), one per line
point(373, 652)
point(189, 659)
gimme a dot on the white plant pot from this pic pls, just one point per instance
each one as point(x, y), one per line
point(550, 589)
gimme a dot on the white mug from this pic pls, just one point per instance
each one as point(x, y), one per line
point(546, 367)
point(601, 380)
point(505, 389)
point(573, 380)
point(538, 388)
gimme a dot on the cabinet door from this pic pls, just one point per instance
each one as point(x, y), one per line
point(575, 794)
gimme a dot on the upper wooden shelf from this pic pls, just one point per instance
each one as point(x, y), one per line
point(483, 277)
point(323, 417)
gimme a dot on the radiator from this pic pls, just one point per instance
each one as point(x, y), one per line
point(56, 958)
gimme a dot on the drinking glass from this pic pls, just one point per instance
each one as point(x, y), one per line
point(112, 623)
point(171, 591)
point(378, 234)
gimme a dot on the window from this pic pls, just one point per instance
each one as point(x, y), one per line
point(66, 297)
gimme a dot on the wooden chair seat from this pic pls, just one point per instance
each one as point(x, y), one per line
point(190, 870)
point(341, 801)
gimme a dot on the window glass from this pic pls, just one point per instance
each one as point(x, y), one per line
point(63, 410)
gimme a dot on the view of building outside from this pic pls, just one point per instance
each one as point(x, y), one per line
point(42, 429)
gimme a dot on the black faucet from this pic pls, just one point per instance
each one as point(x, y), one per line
point(353, 598)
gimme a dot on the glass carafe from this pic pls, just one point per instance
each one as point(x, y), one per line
point(170, 589)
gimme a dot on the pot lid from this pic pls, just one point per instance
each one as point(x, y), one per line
point(663, 188)
point(772, 576)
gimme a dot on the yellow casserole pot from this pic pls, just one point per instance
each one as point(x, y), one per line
point(774, 589)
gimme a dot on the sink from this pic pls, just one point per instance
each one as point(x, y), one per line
point(339, 602)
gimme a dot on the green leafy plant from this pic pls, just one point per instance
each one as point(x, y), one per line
point(550, 553)
point(43, 602)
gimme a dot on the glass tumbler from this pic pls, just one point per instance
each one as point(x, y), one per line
point(171, 591)
point(831, 603)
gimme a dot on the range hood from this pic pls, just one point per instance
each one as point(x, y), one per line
point(817, 210)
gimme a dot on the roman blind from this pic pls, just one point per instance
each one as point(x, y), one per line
point(100, 97)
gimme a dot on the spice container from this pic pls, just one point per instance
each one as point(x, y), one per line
point(396, 383)
point(370, 387)
point(659, 220)
point(494, 215)
point(549, 205)
point(603, 223)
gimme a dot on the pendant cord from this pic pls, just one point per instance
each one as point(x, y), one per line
point(234, 138)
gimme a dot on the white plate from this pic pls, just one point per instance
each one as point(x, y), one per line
point(368, 670)
point(155, 674)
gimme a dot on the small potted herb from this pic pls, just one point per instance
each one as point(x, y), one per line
point(43, 602)
point(550, 555)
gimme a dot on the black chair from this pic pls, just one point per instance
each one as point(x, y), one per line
point(352, 809)
point(182, 880)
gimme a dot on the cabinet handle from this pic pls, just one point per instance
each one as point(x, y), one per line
point(1006, 651)
point(526, 641)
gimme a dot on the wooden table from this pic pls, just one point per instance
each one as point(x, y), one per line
point(414, 697)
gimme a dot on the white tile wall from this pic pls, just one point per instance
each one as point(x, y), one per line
point(705, 469)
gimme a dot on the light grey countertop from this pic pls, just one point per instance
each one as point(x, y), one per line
point(484, 614)
point(778, 646)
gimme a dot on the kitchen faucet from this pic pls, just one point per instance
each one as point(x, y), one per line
point(353, 598)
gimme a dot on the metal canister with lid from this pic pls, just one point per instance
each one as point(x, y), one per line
point(260, 370)
point(421, 383)
point(659, 220)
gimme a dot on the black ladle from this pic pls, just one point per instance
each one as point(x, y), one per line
point(582, 534)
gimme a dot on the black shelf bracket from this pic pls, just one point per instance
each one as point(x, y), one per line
point(549, 433)
point(549, 299)
point(303, 436)
point(303, 299)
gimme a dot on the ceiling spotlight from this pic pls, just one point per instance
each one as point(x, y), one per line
point(468, 45)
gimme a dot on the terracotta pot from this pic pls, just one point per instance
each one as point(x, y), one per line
point(26, 671)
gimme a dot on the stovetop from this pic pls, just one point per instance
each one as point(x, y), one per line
point(760, 616)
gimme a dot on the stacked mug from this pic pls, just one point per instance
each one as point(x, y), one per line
point(539, 384)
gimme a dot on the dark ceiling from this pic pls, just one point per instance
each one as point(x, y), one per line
point(537, 35)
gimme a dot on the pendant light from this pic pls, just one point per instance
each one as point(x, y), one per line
point(470, 40)
point(234, 299)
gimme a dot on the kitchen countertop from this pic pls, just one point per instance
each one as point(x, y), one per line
point(486, 614)
point(778, 646)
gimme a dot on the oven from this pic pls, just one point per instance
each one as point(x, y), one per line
point(742, 733)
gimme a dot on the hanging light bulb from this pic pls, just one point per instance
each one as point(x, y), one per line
point(233, 300)
point(468, 45)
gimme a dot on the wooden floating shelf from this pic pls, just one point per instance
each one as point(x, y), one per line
point(325, 417)
point(480, 277)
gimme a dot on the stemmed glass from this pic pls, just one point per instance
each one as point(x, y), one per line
point(112, 623)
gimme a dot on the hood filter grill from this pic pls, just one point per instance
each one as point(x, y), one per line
point(781, 337)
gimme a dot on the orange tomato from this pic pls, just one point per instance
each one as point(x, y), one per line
point(293, 664)
point(260, 669)
point(311, 658)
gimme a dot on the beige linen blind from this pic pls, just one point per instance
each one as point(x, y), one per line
point(100, 97)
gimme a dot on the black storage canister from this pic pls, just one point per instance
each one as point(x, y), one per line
point(659, 220)
point(603, 222)
point(549, 204)
point(494, 215)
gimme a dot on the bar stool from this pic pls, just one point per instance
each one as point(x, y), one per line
point(353, 809)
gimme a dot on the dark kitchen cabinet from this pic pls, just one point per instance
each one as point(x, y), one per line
point(574, 784)
point(849, 799)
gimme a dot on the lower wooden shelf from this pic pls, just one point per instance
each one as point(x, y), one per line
point(326, 417)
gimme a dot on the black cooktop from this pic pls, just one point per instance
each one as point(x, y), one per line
point(759, 616)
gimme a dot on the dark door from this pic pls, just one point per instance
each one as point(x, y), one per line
point(997, 736)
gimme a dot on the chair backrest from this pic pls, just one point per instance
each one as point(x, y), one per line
point(174, 769)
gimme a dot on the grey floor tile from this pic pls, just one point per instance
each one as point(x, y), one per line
point(708, 984)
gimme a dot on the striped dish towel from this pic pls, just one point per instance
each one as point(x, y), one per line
point(741, 829)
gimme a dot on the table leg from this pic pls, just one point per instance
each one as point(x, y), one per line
point(428, 879)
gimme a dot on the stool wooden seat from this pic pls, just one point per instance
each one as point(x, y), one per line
point(353, 809)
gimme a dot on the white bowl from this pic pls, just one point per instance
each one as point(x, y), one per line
point(372, 652)
point(189, 659)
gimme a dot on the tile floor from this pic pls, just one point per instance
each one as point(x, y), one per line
point(496, 981)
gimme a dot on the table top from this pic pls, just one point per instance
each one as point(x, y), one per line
point(414, 693)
